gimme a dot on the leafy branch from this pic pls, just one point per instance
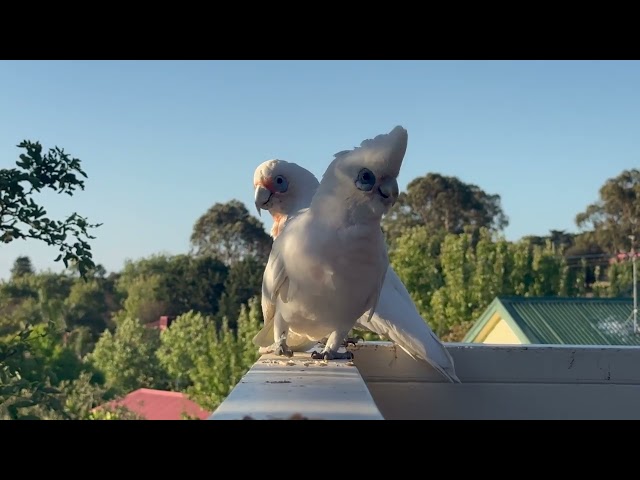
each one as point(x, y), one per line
point(22, 218)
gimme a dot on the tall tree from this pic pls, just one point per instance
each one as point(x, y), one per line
point(22, 266)
point(243, 283)
point(171, 285)
point(444, 203)
point(183, 344)
point(128, 357)
point(227, 231)
point(22, 218)
point(614, 216)
point(87, 307)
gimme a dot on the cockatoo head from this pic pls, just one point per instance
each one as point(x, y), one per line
point(282, 188)
point(365, 178)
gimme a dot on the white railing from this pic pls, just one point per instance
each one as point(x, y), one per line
point(499, 382)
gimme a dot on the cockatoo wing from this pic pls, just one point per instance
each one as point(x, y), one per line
point(398, 319)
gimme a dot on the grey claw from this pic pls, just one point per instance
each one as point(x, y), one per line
point(332, 356)
point(284, 350)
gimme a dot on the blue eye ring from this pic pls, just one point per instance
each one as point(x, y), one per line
point(280, 183)
point(366, 180)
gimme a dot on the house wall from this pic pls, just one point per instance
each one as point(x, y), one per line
point(502, 334)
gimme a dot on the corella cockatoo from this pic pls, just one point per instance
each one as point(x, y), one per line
point(284, 188)
point(327, 267)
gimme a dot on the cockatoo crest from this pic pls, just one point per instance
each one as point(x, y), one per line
point(363, 179)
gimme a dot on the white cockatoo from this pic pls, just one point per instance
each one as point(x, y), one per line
point(283, 188)
point(327, 267)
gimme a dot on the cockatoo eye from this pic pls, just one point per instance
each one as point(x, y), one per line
point(366, 180)
point(281, 183)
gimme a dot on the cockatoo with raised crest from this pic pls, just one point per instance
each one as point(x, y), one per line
point(327, 267)
point(284, 188)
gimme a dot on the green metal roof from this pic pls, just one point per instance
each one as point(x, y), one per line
point(568, 321)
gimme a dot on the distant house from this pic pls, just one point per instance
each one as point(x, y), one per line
point(162, 323)
point(553, 320)
point(160, 405)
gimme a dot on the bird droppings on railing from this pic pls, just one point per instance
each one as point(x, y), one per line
point(320, 363)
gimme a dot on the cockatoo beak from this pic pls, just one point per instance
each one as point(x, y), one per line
point(261, 196)
point(388, 189)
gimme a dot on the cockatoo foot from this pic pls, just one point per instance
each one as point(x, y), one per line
point(327, 355)
point(283, 349)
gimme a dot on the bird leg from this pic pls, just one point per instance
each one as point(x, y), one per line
point(330, 350)
point(280, 344)
point(281, 347)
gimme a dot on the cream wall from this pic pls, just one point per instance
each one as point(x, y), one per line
point(502, 334)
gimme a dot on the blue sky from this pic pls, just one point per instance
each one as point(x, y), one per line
point(162, 141)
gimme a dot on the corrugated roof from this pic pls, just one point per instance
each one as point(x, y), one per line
point(574, 321)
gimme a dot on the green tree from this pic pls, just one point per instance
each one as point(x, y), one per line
point(445, 203)
point(145, 299)
point(614, 217)
point(621, 279)
point(183, 344)
point(416, 261)
point(48, 357)
point(33, 299)
point(228, 232)
point(22, 266)
point(87, 307)
point(243, 282)
point(127, 357)
point(171, 285)
point(26, 391)
point(227, 358)
point(489, 269)
point(453, 278)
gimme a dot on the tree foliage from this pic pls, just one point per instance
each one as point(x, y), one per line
point(22, 218)
point(243, 283)
point(205, 361)
point(171, 285)
point(229, 357)
point(452, 280)
point(227, 231)
point(188, 339)
point(21, 267)
point(445, 203)
point(615, 216)
point(127, 357)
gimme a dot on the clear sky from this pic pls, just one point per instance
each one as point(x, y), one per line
point(162, 141)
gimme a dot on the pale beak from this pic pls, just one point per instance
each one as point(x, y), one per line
point(388, 189)
point(261, 196)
